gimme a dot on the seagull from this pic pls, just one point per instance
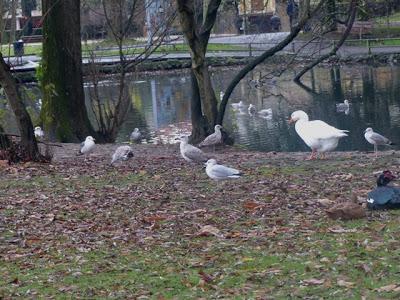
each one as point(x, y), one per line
point(39, 133)
point(343, 107)
point(376, 139)
point(318, 135)
point(122, 153)
point(214, 138)
point(87, 146)
point(135, 136)
point(237, 105)
point(251, 109)
point(191, 153)
point(265, 112)
point(220, 172)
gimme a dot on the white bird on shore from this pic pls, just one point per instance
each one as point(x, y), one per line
point(122, 153)
point(214, 138)
point(317, 135)
point(237, 105)
point(87, 146)
point(221, 172)
point(135, 136)
point(251, 110)
point(376, 139)
point(39, 133)
point(191, 153)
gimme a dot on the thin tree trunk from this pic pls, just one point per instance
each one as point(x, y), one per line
point(64, 112)
point(24, 122)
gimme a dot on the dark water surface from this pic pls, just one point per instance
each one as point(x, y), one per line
point(161, 105)
point(374, 94)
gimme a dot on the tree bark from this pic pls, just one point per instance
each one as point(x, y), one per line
point(24, 122)
point(197, 33)
point(199, 124)
point(64, 112)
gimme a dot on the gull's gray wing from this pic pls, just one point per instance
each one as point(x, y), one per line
point(195, 154)
point(82, 145)
point(379, 139)
point(212, 139)
point(222, 171)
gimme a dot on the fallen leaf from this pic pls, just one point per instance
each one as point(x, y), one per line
point(313, 281)
point(389, 288)
point(344, 283)
point(208, 230)
point(341, 230)
point(207, 278)
point(251, 205)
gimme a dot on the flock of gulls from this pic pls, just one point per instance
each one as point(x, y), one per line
point(319, 136)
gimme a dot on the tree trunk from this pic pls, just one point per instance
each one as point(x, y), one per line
point(64, 112)
point(199, 124)
point(24, 122)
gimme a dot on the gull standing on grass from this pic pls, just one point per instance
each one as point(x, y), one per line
point(122, 153)
point(39, 133)
point(87, 146)
point(376, 139)
point(221, 172)
point(191, 153)
point(136, 136)
point(213, 139)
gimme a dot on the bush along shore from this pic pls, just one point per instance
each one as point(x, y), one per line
point(156, 227)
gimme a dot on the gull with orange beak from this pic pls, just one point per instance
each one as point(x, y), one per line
point(317, 135)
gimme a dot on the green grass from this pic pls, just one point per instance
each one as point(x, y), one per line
point(391, 18)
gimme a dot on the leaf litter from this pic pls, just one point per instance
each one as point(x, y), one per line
point(260, 226)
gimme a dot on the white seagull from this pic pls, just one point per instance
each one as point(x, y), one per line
point(237, 105)
point(220, 172)
point(214, 138)
point(39, 133)
point(376, 139)
point(343, 107)
point(265, 112)
point(251, 110)
point(122, 153)
point(318, 135)
point(135, 136)
point(87, 146)
point(191, 153)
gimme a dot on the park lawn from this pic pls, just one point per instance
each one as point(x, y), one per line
point(158, 228)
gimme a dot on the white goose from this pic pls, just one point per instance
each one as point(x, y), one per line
point(318, 135)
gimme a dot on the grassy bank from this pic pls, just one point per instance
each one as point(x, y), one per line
point(158, 228)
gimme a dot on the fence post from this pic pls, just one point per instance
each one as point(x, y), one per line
point(369, 47)
point(250, 52)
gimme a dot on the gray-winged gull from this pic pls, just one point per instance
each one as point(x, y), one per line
point(376, 139)
point(122, 153)
point(237, 105)
point(220, 172)
point(265, 112)
point(87, 146)
point(214, 138)
point(136, 136)
point(251, 109)
point(191, 153)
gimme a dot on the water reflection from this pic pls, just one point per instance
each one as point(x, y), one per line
point(161, 105)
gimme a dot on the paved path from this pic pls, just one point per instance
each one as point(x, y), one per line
point(252, 45)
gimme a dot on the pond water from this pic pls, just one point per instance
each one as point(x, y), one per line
point(161, 105)
point(374, 94)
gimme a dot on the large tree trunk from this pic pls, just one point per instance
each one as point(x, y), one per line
point(28, 141)
point(199, 124)
point(64, 112)
point(197, 32)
